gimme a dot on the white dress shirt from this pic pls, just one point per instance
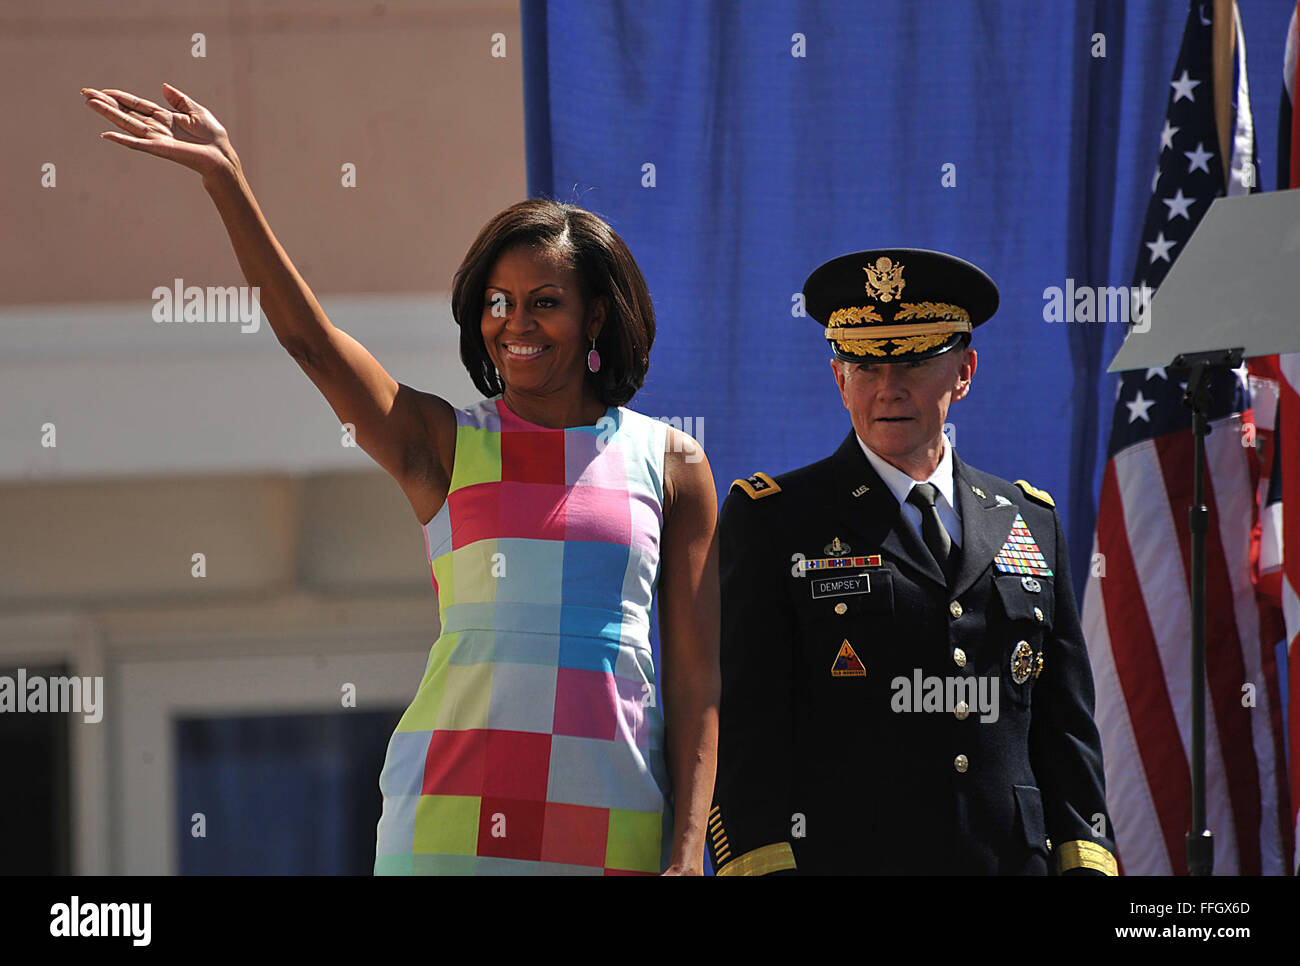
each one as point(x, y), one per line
point(900, 484)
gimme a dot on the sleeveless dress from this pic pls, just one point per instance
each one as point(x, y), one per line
point(534, 744)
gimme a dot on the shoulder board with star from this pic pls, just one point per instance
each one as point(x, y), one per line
point(1042, 496)
point(757, 486)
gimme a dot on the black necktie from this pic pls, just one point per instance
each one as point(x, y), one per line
point(932, 532)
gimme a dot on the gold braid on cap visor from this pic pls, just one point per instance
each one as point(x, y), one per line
point(916, 337)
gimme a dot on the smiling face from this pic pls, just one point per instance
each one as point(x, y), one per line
point(899, 409)
point(536, 325)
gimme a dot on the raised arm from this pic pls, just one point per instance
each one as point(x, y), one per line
point(411, 434)
point(688, 638)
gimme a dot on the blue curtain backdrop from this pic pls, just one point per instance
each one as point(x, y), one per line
point(767, 164)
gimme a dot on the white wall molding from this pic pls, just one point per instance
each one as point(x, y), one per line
point(129, 396)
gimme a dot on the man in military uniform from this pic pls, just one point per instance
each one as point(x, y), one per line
point(906, 688)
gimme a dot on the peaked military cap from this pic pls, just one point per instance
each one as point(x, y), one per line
point(898, 304)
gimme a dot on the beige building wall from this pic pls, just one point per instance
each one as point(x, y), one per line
point(175, 440)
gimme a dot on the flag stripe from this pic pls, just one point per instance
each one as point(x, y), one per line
point(1238, 473)
point(1234, 662)
point(1231, 772)
point(1127, 785)
point(1141, 678)
point(1154, 528)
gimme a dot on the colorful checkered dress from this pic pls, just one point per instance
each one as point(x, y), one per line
point(535, 742)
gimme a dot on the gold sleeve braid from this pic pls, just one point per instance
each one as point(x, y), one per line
point(721, 848)
point(1082, 854)
point(770, 858)
point(760, 861)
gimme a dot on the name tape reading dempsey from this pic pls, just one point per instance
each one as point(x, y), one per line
point(841, 586)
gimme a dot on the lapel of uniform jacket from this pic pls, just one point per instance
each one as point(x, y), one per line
point(874, 515)
point(985, 524)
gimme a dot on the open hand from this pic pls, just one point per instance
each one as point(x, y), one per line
point(187, 133)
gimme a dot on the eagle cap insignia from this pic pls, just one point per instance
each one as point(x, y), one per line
point(885, 279)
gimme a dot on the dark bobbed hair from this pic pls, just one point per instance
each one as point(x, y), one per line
point(606, 269)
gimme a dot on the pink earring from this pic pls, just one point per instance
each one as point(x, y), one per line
point(593, 358)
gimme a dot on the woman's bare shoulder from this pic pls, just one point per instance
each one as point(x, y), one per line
point(687, 474)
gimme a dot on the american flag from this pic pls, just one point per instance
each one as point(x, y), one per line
point(1137, 602)
point(1277, 379)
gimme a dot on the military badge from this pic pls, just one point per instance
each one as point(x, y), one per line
point(846, 663)
point(757, 486)
point(1022, 662)
point(836, 548)
point(885, 280)
point(978, 492)
point(1030, 584)
point(1002, 500)
point(1040, 495)
point(1038, 665)
point(1020, 554)
point(841, 586)
point(860, 490)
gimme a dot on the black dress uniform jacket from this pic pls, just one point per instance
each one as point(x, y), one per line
point(820, 768)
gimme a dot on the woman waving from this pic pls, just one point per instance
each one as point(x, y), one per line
point(555, 518)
